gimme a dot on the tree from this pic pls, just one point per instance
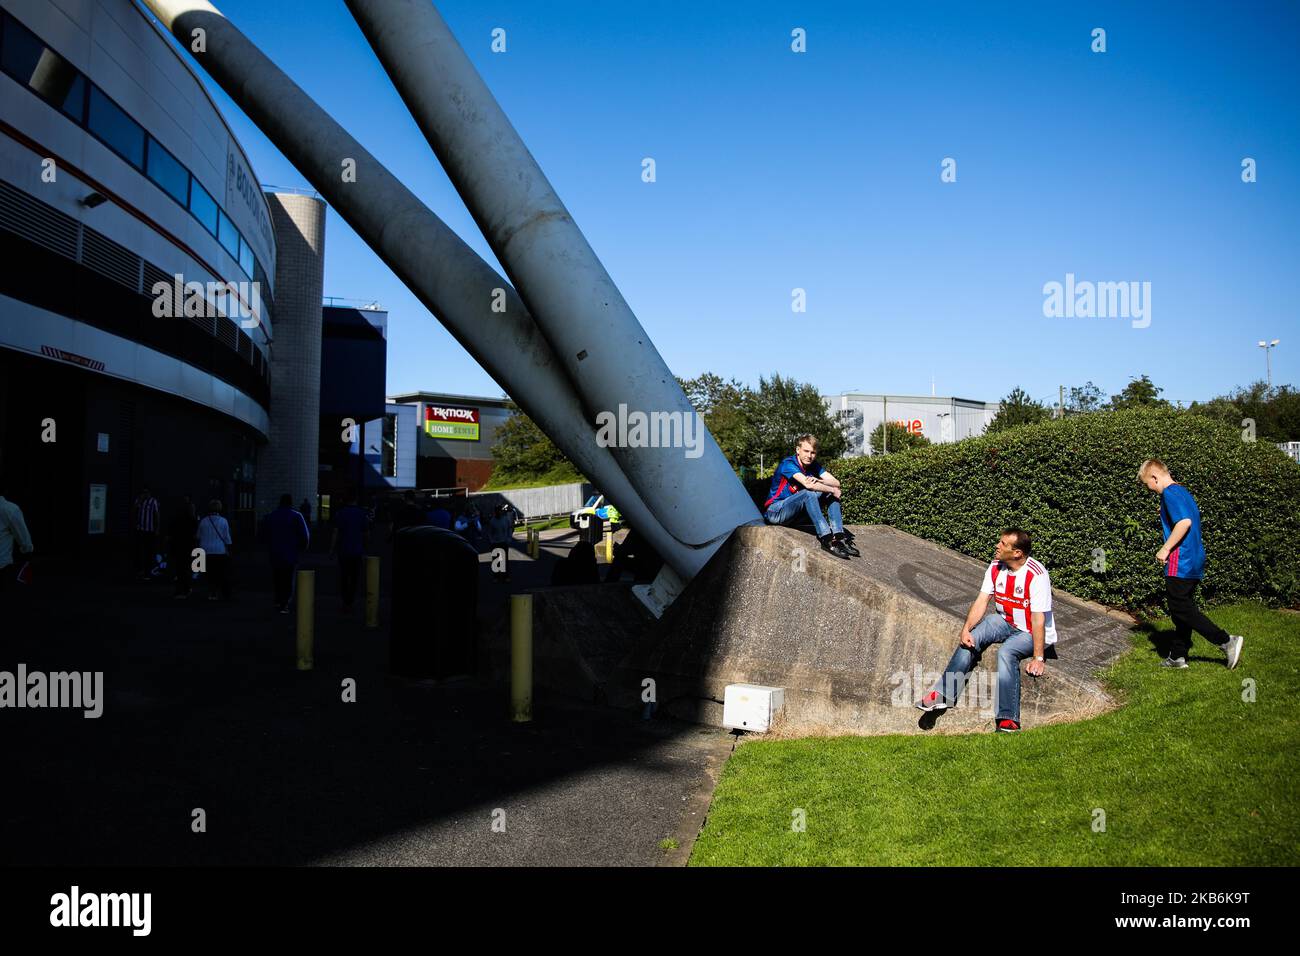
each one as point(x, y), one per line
point(900, 439)
point(709, 392)
point(783, 409)
point(523, 452)
point(721, 406)
point(1017, 409)
point(1084, 399)
point(1275, 413)
point(1139, 393)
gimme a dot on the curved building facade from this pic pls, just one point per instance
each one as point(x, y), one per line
point(137, 298)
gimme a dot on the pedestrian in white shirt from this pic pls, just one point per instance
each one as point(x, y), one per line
point(13, 530)
point(214, 539)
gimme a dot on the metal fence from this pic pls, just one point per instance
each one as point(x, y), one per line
point(543, 502)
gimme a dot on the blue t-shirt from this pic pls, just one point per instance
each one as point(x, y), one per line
point(1187, 560)
point(783, 483)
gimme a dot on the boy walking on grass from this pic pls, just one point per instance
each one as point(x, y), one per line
point(1183, 558)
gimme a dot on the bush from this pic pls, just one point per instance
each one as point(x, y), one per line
point(1072, 484)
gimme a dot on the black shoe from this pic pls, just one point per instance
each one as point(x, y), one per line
point(832, 546)
point(846, 543)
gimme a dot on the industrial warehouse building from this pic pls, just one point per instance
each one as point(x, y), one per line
point(937, 418)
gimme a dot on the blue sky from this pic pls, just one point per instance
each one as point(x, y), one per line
point(821, 171)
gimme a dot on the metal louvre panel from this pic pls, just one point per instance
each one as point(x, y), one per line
point(227, 332)
point(153, 275)
point(205, 322)
point(37, 221)
point(42, 224)
point(110, 259)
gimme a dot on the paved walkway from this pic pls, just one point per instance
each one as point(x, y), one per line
point(204, 708)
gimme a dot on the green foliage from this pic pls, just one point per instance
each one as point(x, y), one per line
point(1275, 412)
point(1017, 409)
point(900, 439)
point(524, 455)
point(1138, 393)
point(1071, 483)
point(783, 409)
point(753, 425)
point(721, 404)
point(1084, 399)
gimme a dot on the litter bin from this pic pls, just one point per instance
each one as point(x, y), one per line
point(594, 532)
point(433, 622)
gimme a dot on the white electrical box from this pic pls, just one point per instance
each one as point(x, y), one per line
point(751, 706)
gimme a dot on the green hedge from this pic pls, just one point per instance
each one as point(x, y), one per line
point(1072, 484)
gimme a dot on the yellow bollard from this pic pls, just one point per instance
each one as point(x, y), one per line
point(534, 540)
point(306, 618)
point(609, 545)
point(372, 592)
point(521, 657)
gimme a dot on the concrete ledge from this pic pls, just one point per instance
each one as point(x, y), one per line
point(854, 643)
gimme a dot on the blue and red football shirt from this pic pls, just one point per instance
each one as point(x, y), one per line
point(1187, 560)
point(783, 483)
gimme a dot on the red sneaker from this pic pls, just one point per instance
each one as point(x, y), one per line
point(932, 701)
point(1007, 726)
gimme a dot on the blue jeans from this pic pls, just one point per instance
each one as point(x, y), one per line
point(790, 508)
point(1016, 646)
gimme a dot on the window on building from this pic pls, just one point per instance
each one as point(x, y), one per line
point(203, 206)
point(118, 131)
point(389, 466)
point(227, 234)
point(29, 61)
point(165, 170)
point(74, 104)
point(245, 257)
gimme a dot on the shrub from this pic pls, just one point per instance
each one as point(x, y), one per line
point(1072, 484)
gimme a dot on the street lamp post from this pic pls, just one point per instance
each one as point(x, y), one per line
point(1268, 362)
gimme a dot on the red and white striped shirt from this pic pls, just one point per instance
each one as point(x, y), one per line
point(1020, 594)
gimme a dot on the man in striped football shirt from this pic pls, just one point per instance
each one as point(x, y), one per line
point(1023, 625)
point(145, 528)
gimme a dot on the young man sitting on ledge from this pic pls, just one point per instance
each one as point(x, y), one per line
point(800, 486)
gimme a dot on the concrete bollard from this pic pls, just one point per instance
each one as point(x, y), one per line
point(306, 619)
point(372, 592)
point(521, 657)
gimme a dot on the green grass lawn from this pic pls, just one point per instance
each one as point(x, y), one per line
point(550, 525)
point(1187, 773)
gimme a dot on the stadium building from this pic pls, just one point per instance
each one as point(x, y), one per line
point(160, 315)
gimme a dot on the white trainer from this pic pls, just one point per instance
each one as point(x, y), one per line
point(1233, 649)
